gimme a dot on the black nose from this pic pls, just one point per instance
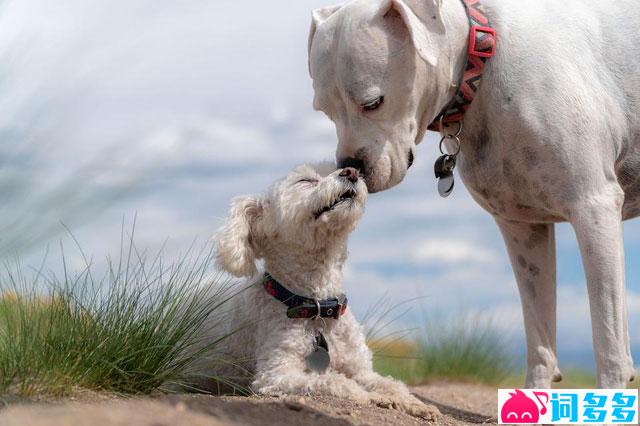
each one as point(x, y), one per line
point(351, 162)
point(350, 173)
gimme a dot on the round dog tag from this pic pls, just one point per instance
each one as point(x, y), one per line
point(445, 186)
point(319, 359)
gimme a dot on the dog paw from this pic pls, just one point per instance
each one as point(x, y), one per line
point(411, 406)
point(557, 375)
point(417, 408)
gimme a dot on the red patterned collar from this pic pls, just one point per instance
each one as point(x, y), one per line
point(482, 46)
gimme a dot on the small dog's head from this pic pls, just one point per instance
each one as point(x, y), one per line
point(312, 208)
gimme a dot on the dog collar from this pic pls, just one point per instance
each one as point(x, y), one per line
point(304, 307)
point(482, 46)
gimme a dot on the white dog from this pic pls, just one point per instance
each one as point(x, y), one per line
point(300, 230)
point(552, 136)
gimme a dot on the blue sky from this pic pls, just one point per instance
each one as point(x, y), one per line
point(168, 109)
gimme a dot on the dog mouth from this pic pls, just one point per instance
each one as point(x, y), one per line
point(346, 197)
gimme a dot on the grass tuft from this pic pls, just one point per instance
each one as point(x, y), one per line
point(468, 350)
point(135, 331)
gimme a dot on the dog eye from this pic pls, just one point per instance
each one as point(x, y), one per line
point(374, 104)
point(308, 180)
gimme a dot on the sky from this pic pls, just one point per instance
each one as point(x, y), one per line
point(164, 111)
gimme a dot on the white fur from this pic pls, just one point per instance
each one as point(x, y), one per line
point(304, 253)
point(553, 135)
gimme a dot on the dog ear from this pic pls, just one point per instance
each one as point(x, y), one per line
point(235, 241)
point(318, 16)
point(425, 28)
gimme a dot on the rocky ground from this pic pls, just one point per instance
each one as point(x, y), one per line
point(460, 404)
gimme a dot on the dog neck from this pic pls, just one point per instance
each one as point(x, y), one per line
point(441, 84)
point(316, 274)
point(456, 20)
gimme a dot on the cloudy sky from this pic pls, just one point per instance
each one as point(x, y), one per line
point(166, 110)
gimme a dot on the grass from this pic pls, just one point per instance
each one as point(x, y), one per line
point(139, 328)
point(135, 331)
point(572, 378)
point(468, 350)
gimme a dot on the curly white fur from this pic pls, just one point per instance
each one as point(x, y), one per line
point(303, 247)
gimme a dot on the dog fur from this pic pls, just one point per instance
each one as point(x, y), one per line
point(552, 136)
point(305, 252)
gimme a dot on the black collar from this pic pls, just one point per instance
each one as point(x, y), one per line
point(304, 307)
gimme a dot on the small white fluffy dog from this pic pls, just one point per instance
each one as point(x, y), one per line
point(300, 230)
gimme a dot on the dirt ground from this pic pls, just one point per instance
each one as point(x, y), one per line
point(460, 404)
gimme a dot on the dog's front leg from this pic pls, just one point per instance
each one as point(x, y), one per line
point(598, 225)
point(281, 368)
point(355, 360)
point(533, 258)
point(289, 380)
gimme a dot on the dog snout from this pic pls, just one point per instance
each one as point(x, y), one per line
point(351, 162)
point(350, 173)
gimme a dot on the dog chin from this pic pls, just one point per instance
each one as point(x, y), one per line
point(341, 224)
point(344, 214)
point(377, 182)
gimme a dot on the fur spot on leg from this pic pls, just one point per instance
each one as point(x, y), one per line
point(531, 158)
point(537, 236)
point(534, 270)
point(522, 261)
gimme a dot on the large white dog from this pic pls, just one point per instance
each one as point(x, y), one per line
point(552, 136)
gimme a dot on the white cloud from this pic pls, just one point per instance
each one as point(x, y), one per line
point(211, 140)
point(452, 251)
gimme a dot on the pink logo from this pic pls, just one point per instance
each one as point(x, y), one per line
point(521, 409)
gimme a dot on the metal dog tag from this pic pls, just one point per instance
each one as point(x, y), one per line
point(319, 359)
point(444, 173)
point(445, 186)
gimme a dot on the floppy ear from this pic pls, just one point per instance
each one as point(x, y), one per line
point(236, 252)
point(318, 16)
point(425, 29)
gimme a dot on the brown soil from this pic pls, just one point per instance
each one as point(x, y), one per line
point(460, 404)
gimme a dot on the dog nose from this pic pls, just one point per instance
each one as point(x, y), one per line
point(350, 173)
point(355, 163)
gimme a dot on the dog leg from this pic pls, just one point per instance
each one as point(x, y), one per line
point(391, 393)
point(532, 252)
point(598, 226)
point(281, 367)
point(290, 381)
point(356, 361)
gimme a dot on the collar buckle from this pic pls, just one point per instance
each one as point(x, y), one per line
point(341, 306)
point(484, 36)
point(318, 310)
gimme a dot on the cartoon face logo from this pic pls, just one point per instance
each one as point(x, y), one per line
point(521, 409)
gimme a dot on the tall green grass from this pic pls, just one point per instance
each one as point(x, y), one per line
point(465, 350)
point(138, 329)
